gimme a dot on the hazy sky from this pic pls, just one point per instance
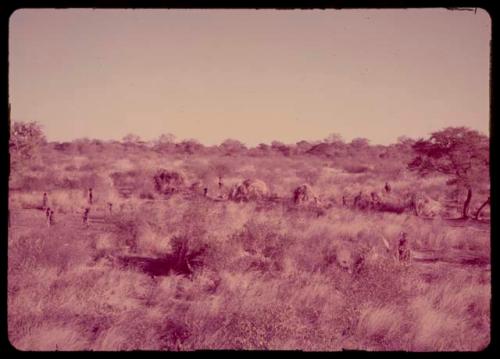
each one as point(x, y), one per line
point(252, 75)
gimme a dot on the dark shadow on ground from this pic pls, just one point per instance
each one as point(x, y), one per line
point(483, 224)
point(468, 259)
point(163, 266)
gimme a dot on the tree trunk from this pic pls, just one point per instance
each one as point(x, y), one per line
point(481, 208)
point(465, 212)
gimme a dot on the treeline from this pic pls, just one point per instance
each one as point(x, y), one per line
point(236, 148)
point(459, 153)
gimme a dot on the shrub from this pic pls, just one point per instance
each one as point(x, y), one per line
point(168, 182)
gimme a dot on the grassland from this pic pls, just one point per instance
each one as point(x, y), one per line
point(263, 274)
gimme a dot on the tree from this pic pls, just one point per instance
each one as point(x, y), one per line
point(281, 147)
point(405, 141)
point(190, 146)
point(221, 169)
point(131, 138)
point(264, 147)
point(165, 143)
point(359, 143)
point(231, 146)
point(303, 146)
point(164, 139)
point(334, 138)
point(458, 152)
point(25, 140)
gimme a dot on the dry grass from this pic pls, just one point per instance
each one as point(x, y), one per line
point(265, 276)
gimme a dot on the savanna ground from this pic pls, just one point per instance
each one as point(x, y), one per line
point(188, 271)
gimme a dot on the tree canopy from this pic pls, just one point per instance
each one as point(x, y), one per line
point(25, 139)
point(458, 152)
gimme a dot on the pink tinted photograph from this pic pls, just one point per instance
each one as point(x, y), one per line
point(195, 179)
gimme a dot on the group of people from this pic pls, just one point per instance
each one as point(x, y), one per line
point(403, 253)
point(220, 184)
point(90, 201)
point(49, 213)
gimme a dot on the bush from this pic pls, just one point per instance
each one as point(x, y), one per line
point(168, 182)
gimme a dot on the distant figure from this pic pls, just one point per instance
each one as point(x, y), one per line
point(47, 215)
point(45, 201)
point(51, 220)
point(220, 182)
point(205, 191)
point(86, 216)
point(375, 200)
point(403, 249)
point(387, 187)
point(344, 201)
point(358, 198)
point(110, 207)
point(90, 196)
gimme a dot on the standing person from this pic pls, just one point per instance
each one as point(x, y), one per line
point(357, 199)
point(47, 216)
point(205, 191)
point(86, 216)
point(387, 187)
point(404, 254)
point(52, 219)
point(220, 183)
point(45, 201)
point(90, 196)
point(110, 207)
point(375, 203)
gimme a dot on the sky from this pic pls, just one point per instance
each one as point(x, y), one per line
point(251, 75)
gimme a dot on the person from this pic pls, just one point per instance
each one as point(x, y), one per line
point(52, 220)
point(220, 182)
point(375, 203)
point(387, 187)
point(344, 201)
point(403, 248)
point(357, 199)
point(47, 216)
point(110, 207)
point(90, 196)
point(86, 216)
point(45, 201)
point(205, 191)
